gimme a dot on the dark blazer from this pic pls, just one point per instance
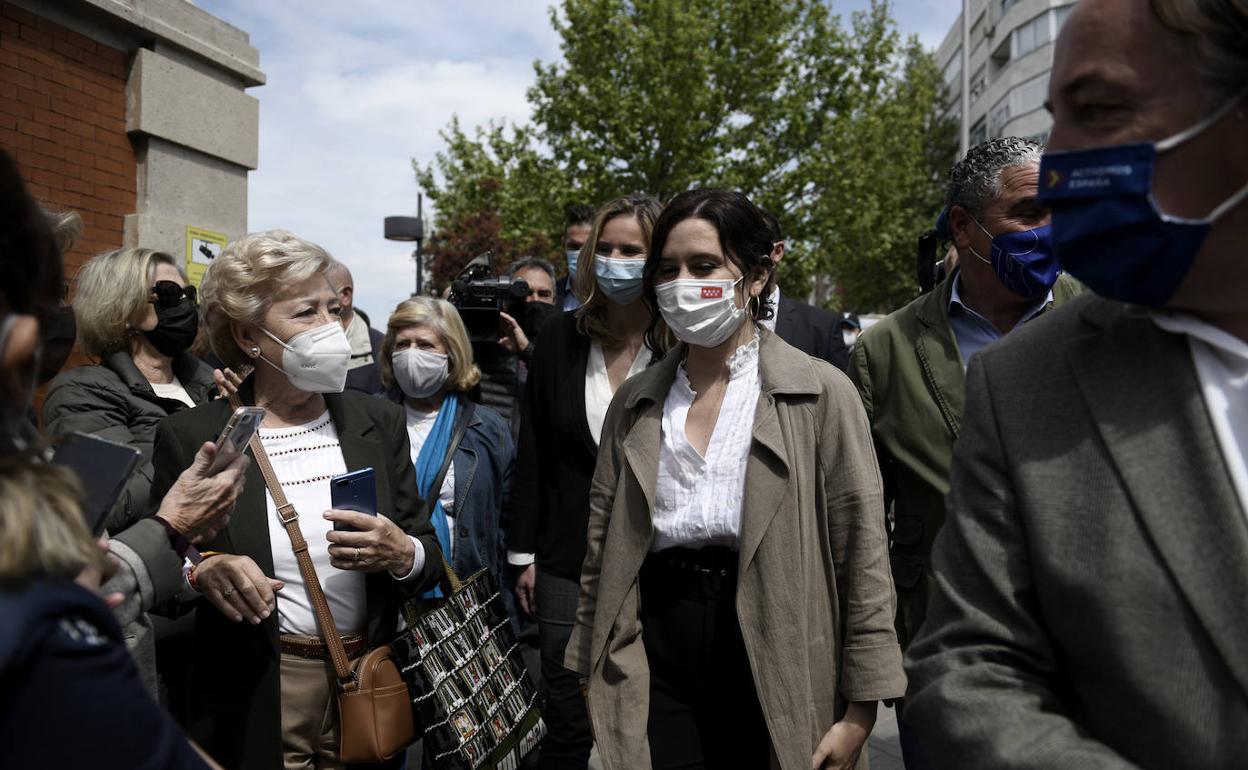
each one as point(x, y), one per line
point(812, 330)
point(555, 461)
point(563, 288)
point(116, 402)
point(1087, 597)
point(235, 713)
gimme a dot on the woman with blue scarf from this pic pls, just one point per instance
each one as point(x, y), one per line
point(427, 364)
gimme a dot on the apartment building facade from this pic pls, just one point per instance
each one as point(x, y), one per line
point(1003, 67)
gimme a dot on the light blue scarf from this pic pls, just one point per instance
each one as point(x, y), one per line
point(428, 463)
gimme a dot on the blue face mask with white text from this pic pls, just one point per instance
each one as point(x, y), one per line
point(1107, 228)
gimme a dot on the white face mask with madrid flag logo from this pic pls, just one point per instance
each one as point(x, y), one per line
point(700, 312)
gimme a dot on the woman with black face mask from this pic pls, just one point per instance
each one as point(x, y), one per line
point(137, 316)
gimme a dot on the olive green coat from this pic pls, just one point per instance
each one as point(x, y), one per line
point(814, 593)
point(909, 373)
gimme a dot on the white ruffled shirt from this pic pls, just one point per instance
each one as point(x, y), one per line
point(698, 500)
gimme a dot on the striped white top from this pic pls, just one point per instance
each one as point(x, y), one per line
point(698, 499)
point(305, 458)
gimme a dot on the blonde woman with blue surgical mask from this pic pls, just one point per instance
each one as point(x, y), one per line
point(736, 531)
point(579, 362)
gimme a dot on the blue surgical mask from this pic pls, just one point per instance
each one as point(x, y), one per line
point(1023, 261)
point(572, 255)
point(1107, 229)
point(619, 279)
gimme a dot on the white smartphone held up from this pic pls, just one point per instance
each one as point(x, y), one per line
point(233, 440)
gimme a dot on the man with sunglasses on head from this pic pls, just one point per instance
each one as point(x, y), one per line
point(1087, 604)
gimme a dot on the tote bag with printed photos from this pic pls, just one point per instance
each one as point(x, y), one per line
point(470, 689)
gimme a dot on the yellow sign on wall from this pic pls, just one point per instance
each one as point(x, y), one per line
point(202, 247)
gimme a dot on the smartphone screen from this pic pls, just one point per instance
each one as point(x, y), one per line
point(103, 467)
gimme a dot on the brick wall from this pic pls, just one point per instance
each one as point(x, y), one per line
point(63, 118)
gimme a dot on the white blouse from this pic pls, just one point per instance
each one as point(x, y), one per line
point(698, 499)
point(304, 459)
point(598, 393)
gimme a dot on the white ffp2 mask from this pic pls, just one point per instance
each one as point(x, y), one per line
point(700, 312)
point(315, 361)
point(420, 373)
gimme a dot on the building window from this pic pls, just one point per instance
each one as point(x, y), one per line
point(979, 133)
point(1030, 36)
point(1021, 100)
point(953, 69)
point(979, 84)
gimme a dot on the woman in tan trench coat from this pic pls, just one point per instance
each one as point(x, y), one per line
point(736, 603)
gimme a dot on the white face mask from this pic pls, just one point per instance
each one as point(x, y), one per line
point(420, 373)
point(315, 361)
point(700, 312)
point(573, 256)
point(850, 336)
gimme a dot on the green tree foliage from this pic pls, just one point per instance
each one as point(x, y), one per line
point(829, 126)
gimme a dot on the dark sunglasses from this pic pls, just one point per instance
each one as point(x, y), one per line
point(169, 294)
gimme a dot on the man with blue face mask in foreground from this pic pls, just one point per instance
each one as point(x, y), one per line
point(910, 367)
point(1086, 606)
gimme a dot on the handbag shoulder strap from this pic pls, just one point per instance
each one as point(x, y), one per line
point(289, 517)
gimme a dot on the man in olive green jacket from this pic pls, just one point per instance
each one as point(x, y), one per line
point(910, 368)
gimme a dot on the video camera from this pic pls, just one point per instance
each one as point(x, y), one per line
point(479, 295)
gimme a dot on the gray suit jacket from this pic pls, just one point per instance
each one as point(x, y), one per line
point(1089, 595)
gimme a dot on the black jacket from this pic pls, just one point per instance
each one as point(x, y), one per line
point(235, 713)
point(556, 456)
point(115, 401)
point(814, 331)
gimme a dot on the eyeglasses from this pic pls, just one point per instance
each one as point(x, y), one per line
point(170, 294)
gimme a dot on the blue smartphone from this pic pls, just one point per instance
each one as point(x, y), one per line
point(354, 491)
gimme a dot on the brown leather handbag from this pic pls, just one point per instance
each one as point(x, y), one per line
point(374, 708)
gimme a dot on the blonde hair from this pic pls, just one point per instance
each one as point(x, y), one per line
point(41, 518)
point(113, 291)
point(592, 314)
point(443, 318)
point(240, 284)
point(66, 228)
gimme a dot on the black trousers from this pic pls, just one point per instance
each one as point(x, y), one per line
point(704, 710)
point(568, 742)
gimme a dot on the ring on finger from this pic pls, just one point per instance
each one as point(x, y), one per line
point(357, 554)
point(227, 593)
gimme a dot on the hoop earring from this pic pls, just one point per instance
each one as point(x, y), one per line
point(758, 303)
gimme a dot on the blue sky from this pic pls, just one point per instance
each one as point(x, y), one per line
point(358, 88)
